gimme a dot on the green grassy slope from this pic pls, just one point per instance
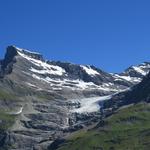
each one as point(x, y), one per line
point(6, 120)
point(127, 129)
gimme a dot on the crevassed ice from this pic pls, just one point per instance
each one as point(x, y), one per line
point(88, 105)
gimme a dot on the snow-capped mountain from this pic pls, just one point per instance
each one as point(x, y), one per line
point(135, 74)
point(138, 93)
point(50, 98)
point(58, 76)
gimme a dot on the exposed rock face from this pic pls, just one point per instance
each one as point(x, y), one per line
point(48, 99)
point(136, 94)
point(7, 63)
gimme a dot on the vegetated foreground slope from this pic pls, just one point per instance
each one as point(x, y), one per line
point(127, 129)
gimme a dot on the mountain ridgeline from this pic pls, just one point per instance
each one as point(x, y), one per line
point(42, 101)
point(138, 93)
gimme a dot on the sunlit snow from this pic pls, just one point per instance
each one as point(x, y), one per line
point(89, 70)
point(127, 78)
point(73, 84)
point(46, 68)
point(139, 70)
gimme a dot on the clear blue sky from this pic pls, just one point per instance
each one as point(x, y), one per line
point(110, 34)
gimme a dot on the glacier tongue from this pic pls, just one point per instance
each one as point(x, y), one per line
point(88, 105)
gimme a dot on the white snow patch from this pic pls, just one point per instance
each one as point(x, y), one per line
point(139, 70)
point(30, 84)
point(57, 88)
point(18, 112)
point(21, 50)
point(89, 105)
point(36, 77)
point(107, 84)
point(127, 78)
point(46, 68)
point(89, 70)
point(55, 70)
point(73, 84)
point(145, 66)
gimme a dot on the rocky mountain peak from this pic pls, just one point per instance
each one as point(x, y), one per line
point(10, 54)
point(13, 50)
point(6, 65)
point(137, 71)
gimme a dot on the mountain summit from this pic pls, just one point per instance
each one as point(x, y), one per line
point(15, 50)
